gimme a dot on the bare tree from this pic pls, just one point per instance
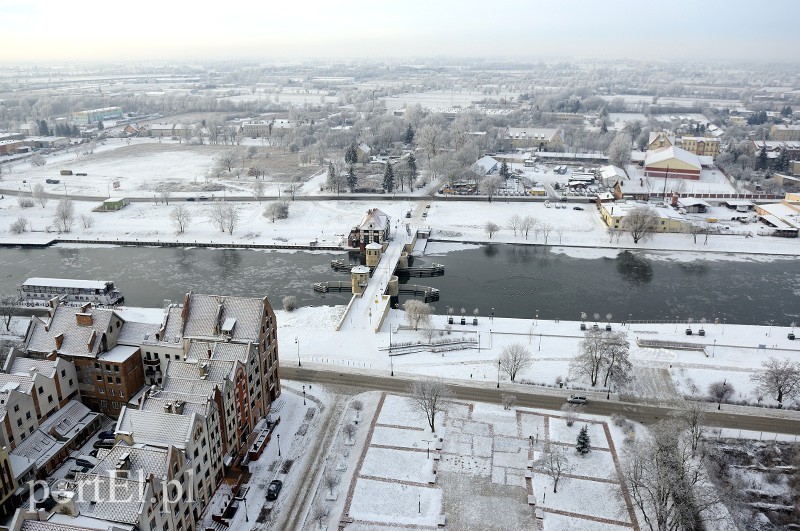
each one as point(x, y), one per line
point(554, 463)
point(591, 356)
point(251, 152)
point(64, 215)
point(417, 313)
point(330, 481)
point(640, 223)
point(429, 397)
point(357, 405)
point(509, 401)
point(24, 201)
point(38, 160)
point(181, 218)
point(570, 413)
point(227, 159)
point(231, 217)
point(320, 514)
point(546, 229)
point(164, 193)
point(616, 363)
point(695, 230)
point(489, 185)
point(430, 139)
point(349, 430)
point(19, 226)
point(515, 358)
point(779, 378)
point(277, 210)
point(693, 417)
point(217, 215)
point(527, 224)
point(258, 190)
point(40, 195)
point(87, 220)
point(619, 151)
point(290, 303)
point(720, 392)
point(514, 223)
point(491, 228)
point(7, 305)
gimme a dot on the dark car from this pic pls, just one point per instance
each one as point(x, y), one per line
point(577, 208)
point(107, 434)
point(274, 489)
point(104, 443)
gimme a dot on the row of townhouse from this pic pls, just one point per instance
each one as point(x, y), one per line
point(702, 146)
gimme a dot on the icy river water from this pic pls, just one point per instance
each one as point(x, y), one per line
point(515, 281)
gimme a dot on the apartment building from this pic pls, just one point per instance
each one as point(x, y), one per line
point(108, 373)
point(96, 115)
point(530, 137)
point(702, 146)
point(8, 485)
point(784, 132)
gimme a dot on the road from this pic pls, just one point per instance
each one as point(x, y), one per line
point(542, 398)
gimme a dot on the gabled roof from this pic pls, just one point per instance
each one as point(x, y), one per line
point(671, 152)
point(374, 219)
point(532, 133)
point(206, 314)
point(78, 340)
point(486, 165)
point(96, 492)
point(148, 459)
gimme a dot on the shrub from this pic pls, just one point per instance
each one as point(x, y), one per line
point(290, 303)
point(25, 202)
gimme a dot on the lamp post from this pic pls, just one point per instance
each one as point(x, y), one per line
point(491, 315)
point(719, 404)
point(297, 342)
point(714, 351)
point(479, 341)
point(498, 374)
point(608, 394)
point(279, 444)
point(391, 364)
point(536, 318)
point(540, 341)
point(304, 395)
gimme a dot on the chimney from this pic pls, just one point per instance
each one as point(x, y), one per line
point(86, 307)
point(84, 319)
point(178, 408)
point(123, 465)
point(168, 407)
point(203, 368)
point(59, 340)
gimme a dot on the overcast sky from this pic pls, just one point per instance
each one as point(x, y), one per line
point(107, 30)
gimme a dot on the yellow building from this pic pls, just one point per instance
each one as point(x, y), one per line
point(784, 132)
point(672, 163)
point(701, 146)
point(541, 139)
point(669, 220)
point(659, 139)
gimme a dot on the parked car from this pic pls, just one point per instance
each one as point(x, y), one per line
point(408, 214)
point(86, 461)
point(576, 399)
point(104, 443)
point(274, 489)
point(107, 434)
point(577, 208)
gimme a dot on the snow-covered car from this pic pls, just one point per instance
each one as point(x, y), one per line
point(274, 489)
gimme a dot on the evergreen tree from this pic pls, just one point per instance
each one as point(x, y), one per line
point(388, 178)
point(786, 111)
point(582, 444)
point(43, 129)
point(604, 127)
point(504, 170)
point(782, 162)
point(409, 134)
point(100, 125)
point(333, 182)
point(411, 164)
point(350, 155)
point(762, 161)
point(75, 131)
point(351, 179)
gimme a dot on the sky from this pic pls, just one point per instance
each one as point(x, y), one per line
point(94, 30)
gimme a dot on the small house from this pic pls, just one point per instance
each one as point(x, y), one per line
point(113, 204)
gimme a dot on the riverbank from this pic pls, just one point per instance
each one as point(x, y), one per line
point(327, 223)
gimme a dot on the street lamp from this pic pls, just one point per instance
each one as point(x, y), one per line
point(491, 315)
point(279, 444)
point(391, 364)
point(536, 318)
point(297, 342)
point(498, 374)
point(304, 395)
point(713, 352)
point(540, 341)
point(608, 394)
point(719, 404)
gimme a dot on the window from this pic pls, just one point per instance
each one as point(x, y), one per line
point(109, 379)
point(119, 380)
point(41, 390)
point(19, 422)
point(121, 395)
point(28, 415)
point(108, 367)
point(116, 368)
point(70, 382)
point(49, 399)
point(99, 378)
point(115, 405)
point(16, 409)
point(63, 373)
point(30, 430)
point(111, 392)
point(97, 366)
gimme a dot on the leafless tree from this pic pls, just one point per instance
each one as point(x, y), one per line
point(695, 230)
point(290, 303)
point(19, 226)
point(227, 159)
point(429, 137)
point(546, 229)
point(720, 392)
point(616, 363)
point(40, 195)
point(320, 514)
point(217, 215)
point(665, 483)
point(591, 356)
point(692, 416)
point(515, 358)
point(509, 401)
point(277, 210)
point(64, 215)
point(25, 201)
point(619, 151)
point(570, 413)
point(489, 185)
point(640, 223)
point(181, 218)
point(555, 464)
point(429, 396)
point(527, 224)
point(514, 223)
point(779, 378)
point(38, 160)
point(258, 190)
point(7, 305)
point(231, 217)
point(417, 313)
point(165, 194)
point(357, 405)
point(491, 228)
point(87, 220)
point(349, 430)
point(330, 481)
point(251, 152)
